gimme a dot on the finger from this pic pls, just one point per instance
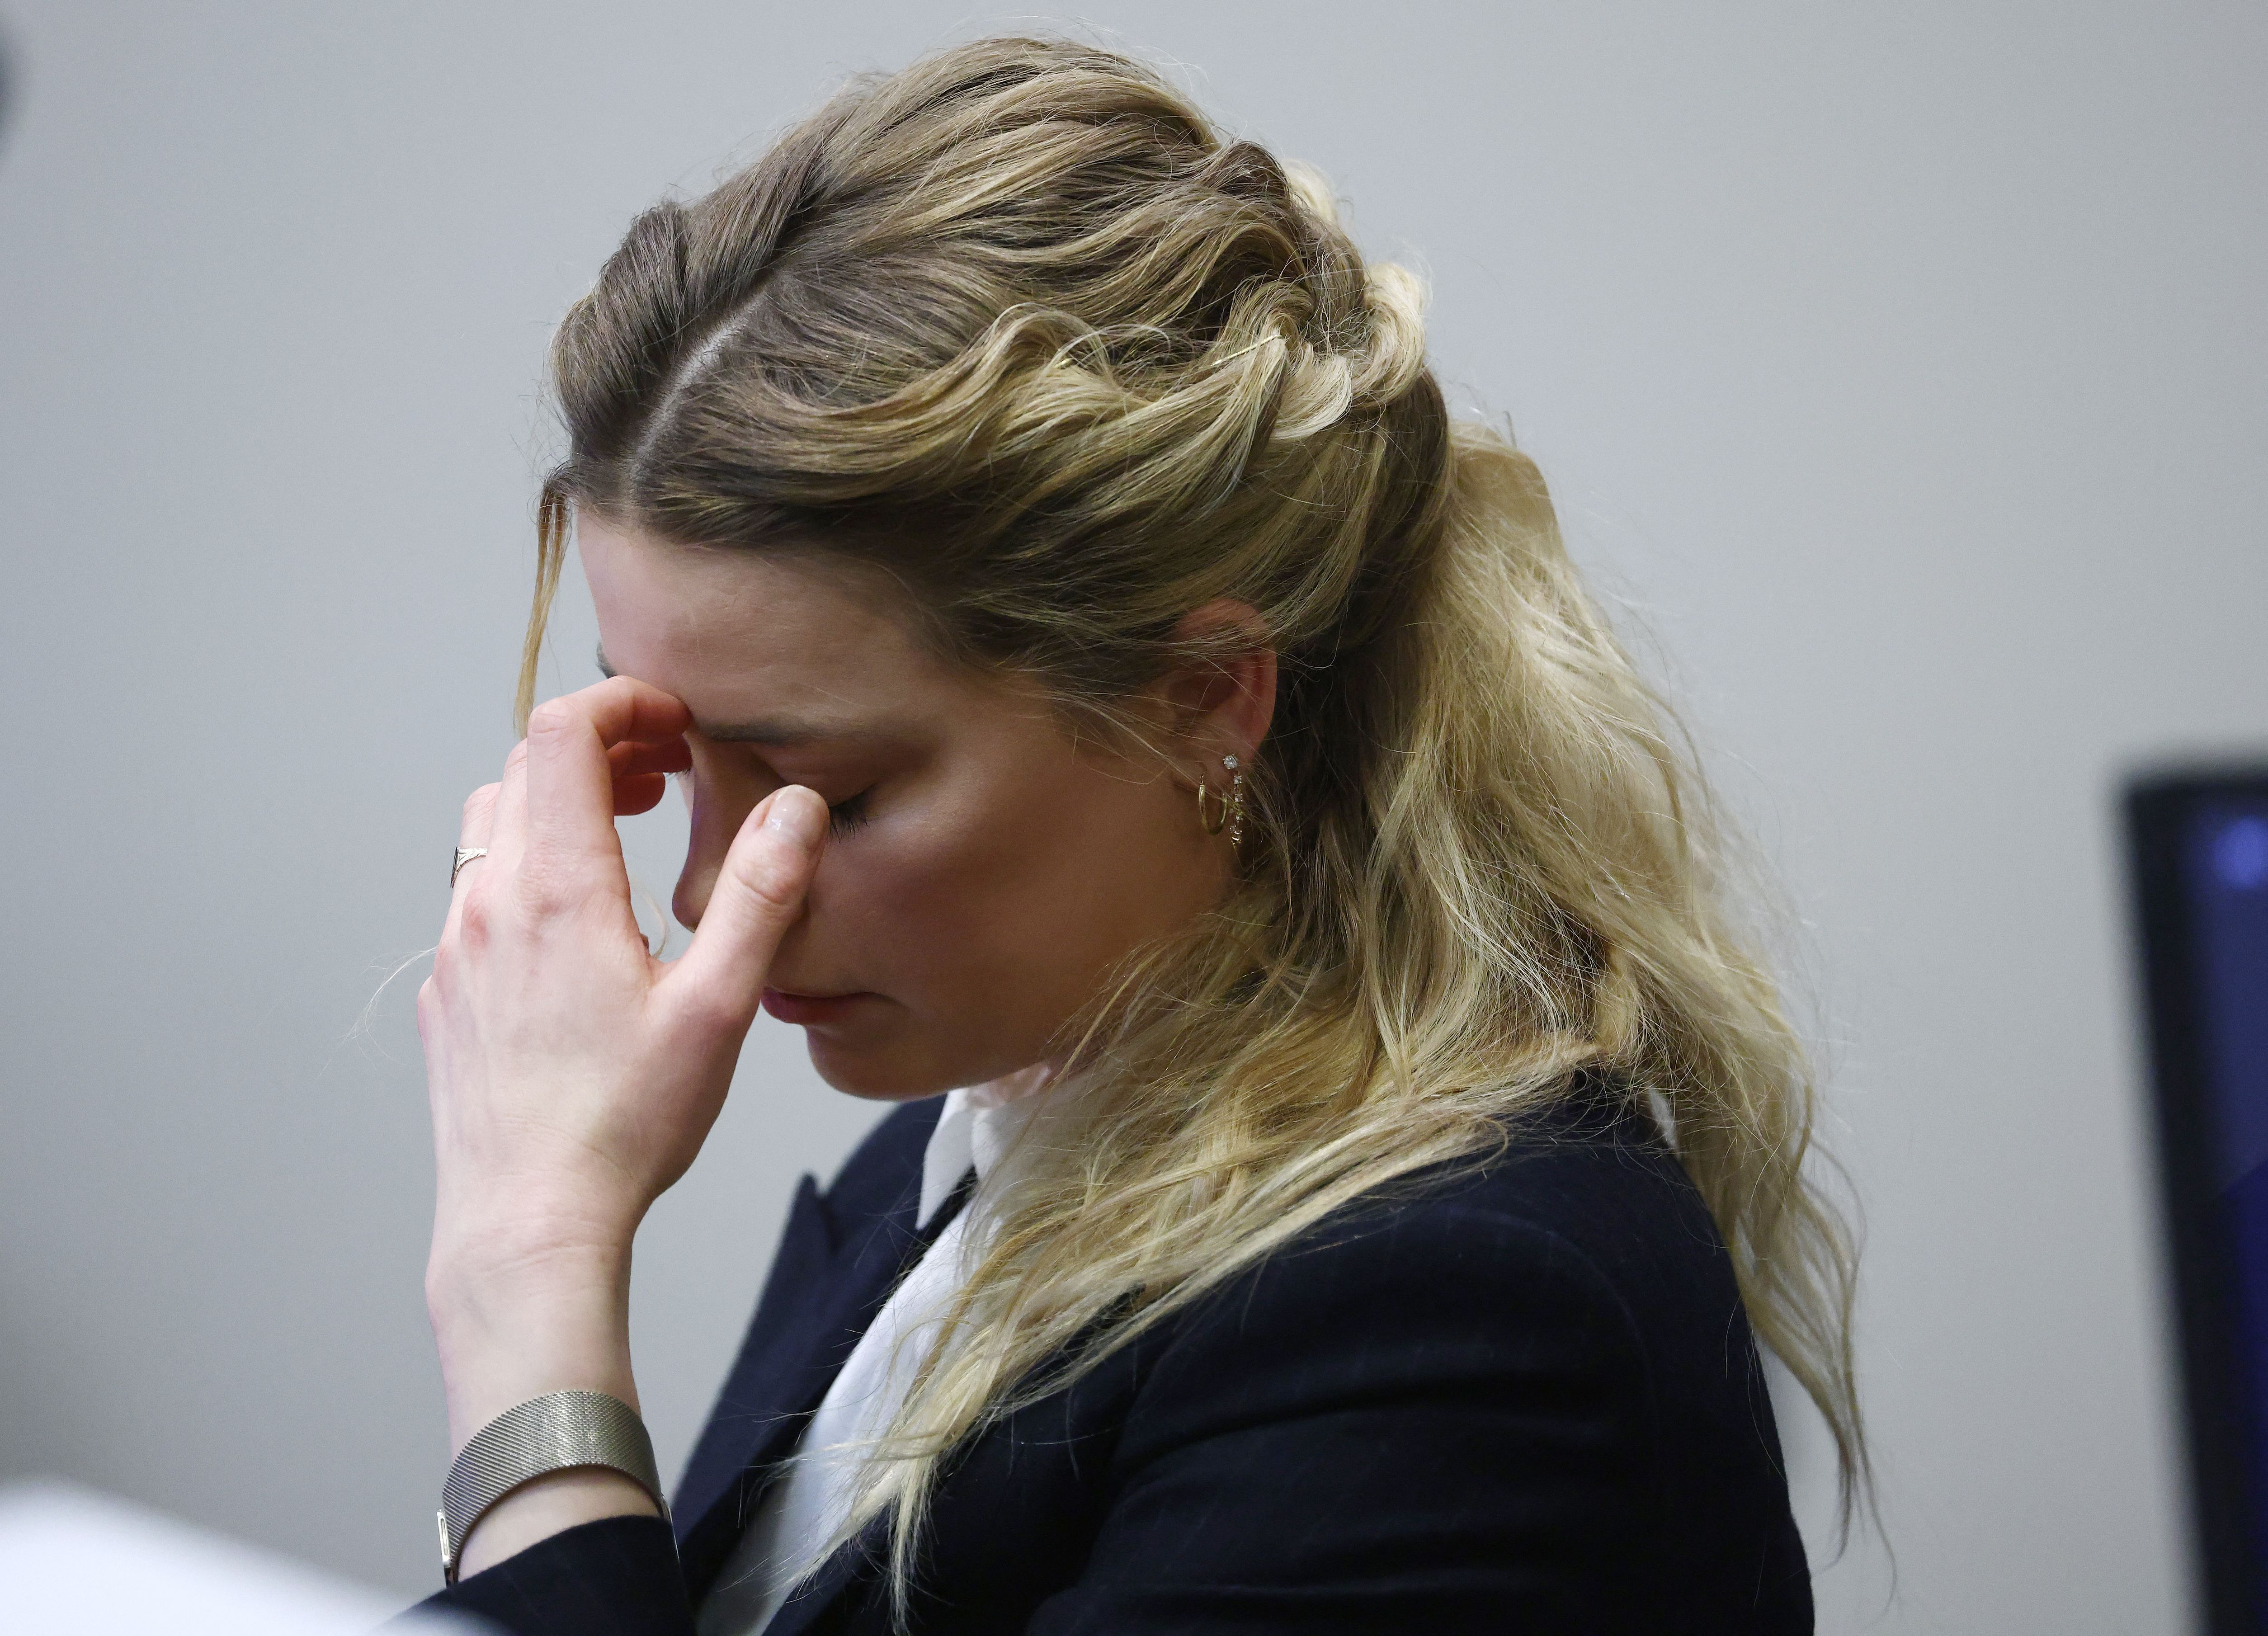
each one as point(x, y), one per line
point(627, 711)
point(640, 792)
point(759, 893)
point(632, 758)
point(479, 816)
point(508, 827)
point(570, 797)
point(641, 773)
point(473, 831)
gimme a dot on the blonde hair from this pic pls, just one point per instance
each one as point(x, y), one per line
point(1020, 326)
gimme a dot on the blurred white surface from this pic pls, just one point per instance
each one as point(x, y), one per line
point(77, 1563)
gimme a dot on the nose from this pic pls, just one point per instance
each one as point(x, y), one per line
point(715, 820)
point(694, 883)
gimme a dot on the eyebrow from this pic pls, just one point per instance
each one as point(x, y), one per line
point(777, 731)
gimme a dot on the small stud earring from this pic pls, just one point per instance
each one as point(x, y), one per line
point(1224, 811)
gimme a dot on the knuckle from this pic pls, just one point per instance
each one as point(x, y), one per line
point(481, 800)
point(708, 1018)
point(552, 716)
point(774, 888)
point(704, 1009)
point(543, 890)
point(474, 925)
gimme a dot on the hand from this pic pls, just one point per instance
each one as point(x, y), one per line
point(573, 1077)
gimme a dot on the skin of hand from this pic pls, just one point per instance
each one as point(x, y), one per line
point(573, 1076)
point(919, 861)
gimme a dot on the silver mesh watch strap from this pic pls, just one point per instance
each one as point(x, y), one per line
point(554, 1432)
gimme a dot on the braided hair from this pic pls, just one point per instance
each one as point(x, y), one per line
point(1020, 326)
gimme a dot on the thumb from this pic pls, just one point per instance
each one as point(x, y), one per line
point(759, 893)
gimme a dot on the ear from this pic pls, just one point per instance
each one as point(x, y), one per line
point(1220, 704)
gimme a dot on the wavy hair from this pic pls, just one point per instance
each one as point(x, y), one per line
point(1021, 326)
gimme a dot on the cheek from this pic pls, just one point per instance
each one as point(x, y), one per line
point(894, 892)
point(1016, 904)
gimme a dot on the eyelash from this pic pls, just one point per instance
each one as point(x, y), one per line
point(846, 815)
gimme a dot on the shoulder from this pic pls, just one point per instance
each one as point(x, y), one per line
point(1584, 1198)
point(1567, 1302)
point(1579, 1250)
point(1524, 1383)
point(1587, 1193)
point(1576, 1269)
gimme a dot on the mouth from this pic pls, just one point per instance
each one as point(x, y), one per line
point(813, 1010)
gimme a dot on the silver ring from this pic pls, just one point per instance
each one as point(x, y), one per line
point(465, 855)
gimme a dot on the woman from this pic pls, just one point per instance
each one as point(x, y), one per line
point(1109, 690)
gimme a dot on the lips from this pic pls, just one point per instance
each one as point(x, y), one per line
point(811, 1010)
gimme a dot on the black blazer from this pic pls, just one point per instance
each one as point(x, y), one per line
point(1518, 1399)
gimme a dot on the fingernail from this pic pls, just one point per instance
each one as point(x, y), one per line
point(798, 814)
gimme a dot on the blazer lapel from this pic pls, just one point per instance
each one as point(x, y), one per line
point(750, 1410)
point(863, 1555)
point(825, 1286)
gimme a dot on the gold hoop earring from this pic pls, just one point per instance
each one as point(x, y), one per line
point(1225, 811)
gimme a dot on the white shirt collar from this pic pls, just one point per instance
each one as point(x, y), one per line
point(978, 1125)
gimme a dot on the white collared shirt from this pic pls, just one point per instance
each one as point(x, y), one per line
point(801, 1509)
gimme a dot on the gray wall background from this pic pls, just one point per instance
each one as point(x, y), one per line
point(1903, 370)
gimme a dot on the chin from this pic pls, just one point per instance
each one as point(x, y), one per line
point(876, 1076)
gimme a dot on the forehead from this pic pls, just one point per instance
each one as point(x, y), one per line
point(746, 638)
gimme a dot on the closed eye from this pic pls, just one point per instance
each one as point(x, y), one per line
point(848, 814)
